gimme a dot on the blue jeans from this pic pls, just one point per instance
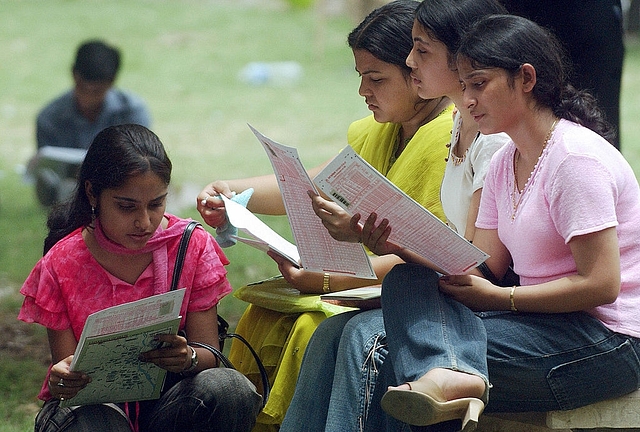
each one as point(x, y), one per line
point(218, 399)
point(338, 374)
point(535, 362)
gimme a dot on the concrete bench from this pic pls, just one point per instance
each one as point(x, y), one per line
point(621, 414)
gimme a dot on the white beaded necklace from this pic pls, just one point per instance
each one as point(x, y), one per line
point(516, 202)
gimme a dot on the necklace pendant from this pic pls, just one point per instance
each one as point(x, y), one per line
point(457, 161)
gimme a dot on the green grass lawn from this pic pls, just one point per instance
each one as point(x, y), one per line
point(183, 57)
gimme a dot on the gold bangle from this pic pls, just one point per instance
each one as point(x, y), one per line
point(325, 283)
point(511, 295)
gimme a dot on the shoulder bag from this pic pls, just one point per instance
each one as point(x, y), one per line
point(223, 326)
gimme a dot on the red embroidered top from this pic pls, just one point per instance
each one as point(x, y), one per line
point(68, 284)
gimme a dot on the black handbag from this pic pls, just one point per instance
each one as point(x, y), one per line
point(508, 280)
point(223, 326)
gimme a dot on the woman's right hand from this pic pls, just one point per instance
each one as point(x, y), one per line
point(211, 207)
point(375, 238)
point(64, 383)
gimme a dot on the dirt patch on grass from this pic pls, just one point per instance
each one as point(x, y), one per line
point(21, 340)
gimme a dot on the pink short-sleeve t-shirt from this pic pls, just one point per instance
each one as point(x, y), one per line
point(580, 185)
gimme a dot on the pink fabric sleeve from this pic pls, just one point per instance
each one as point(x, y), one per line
point(488, 211)
point(43, 302)
point(582, 197)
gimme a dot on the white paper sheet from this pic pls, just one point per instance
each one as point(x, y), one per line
point(362, 293)
point(144, 312)
point(319, 252)
point(359, 188)
point(263, 237)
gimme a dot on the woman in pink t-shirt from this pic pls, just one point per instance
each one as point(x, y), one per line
point(563, 204)
point(113, 243)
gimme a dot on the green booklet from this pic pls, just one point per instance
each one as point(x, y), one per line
point(111, 343)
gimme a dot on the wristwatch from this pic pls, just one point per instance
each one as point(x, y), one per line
point(194, 361)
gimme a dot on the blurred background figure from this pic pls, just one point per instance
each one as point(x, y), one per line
point(66, 126)
point(592, 33)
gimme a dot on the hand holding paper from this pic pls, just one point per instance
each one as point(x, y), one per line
point(358, 188)
point(226, 234)
point(334, 218)
point(110, 345)
point(318, 251)
point(376, 237)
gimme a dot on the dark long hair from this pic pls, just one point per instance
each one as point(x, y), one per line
point(448, 20)
point(116, 154)
point(508, 41)
point(386, 33)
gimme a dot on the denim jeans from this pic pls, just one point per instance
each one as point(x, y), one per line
point(535, 362)
point(338, 374)
point(218, 399)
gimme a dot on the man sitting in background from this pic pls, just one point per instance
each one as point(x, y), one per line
point(66, 126)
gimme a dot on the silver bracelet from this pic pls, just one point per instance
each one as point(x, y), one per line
point(194, 361)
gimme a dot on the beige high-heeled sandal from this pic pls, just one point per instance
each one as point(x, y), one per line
point(424, 404)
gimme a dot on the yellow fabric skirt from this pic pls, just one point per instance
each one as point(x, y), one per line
point(280, 338)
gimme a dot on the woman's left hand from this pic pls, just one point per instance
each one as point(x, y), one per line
point(302, 280)
point(477, 293)
point(173, 355)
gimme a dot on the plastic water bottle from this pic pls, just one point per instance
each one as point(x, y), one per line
point(279, 74)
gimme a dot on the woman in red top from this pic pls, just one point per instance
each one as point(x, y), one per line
point(113, 243)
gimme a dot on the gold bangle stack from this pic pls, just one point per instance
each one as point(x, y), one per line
point(511, 295)
point(325, 283)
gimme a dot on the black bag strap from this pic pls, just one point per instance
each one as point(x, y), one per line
point(487, 273)
point(508, 280)
point(222, 324)
point(182, 252)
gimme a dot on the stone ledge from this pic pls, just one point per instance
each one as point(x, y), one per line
point(621, 414)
